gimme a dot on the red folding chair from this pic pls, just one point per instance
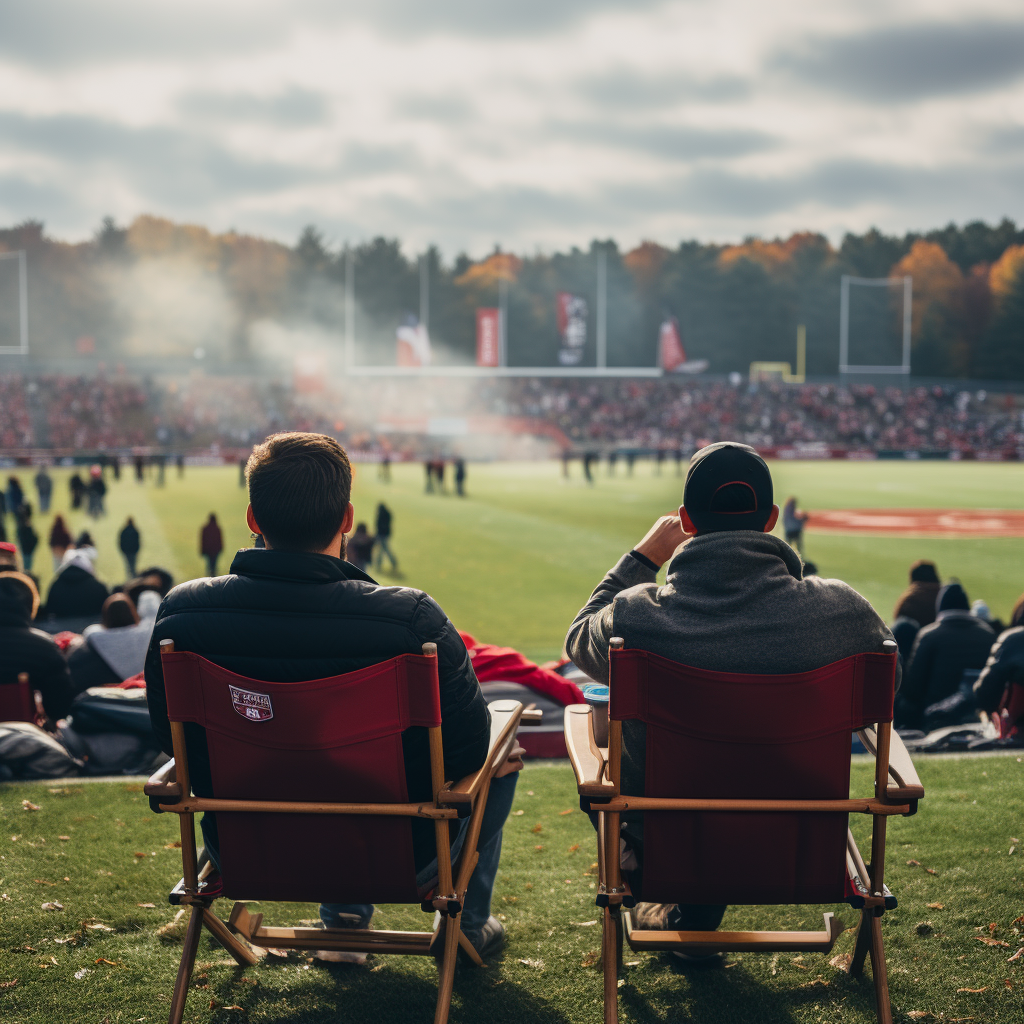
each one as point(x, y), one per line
point(318, 766)
point(17, 701)
point(746, 800)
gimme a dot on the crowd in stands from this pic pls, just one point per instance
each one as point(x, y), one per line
point(64, 412)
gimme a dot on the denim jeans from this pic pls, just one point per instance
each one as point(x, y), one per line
point(481, 884)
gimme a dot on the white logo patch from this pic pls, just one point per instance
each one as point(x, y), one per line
point(255, 707)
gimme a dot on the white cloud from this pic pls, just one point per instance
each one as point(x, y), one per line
point(537, 125)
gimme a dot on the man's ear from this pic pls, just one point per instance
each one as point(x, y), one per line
point(772, 519)
point(250, 521)
point(350, 518)
point(686, 522)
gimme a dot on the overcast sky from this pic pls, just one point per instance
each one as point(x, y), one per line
point(529, 123)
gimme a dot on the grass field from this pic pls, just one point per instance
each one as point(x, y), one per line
point(514, 561)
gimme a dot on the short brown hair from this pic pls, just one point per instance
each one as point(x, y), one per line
point(299, 489)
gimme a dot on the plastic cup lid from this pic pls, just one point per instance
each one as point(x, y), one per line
point(596, 692)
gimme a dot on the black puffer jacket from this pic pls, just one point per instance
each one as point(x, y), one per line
point(24, 649)
point(75, 593)
point(1005, 665)
point(956, 641)
point(286, 617)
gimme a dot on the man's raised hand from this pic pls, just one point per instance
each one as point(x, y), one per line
point(662, 539)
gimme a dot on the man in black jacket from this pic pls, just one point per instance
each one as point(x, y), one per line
point(296, 610)
point(24, 649)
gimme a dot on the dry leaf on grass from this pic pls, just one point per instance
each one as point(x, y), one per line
point(591, 960)
point(9, 984)
point(841, 961)
point(53, 906)
point(538, 848)
point(935, 906)
point(146, 906)
point(537, 828)
point(536, 964)
point(172, 927)
point(1007, 983)
point(562, 814)
point(63, 839)
point(81, 973)
point(509, 899)
point(811, 984)
point(584, 924)
point(27, 805)
point(99, 927)
point(913, 863)
point(931, 871)
point(104, 960)
point(176, 845)
point(574, 847)
point(518, 814)
point(992, 926)
point(42, 881)
point(973, 991)
point(1016, 956)
point(992, 942)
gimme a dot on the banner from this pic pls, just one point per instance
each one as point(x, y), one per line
point(670, 346)
point(488, 328)
point(571, 313)
point(413, 344)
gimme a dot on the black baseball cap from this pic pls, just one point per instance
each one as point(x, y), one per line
point(728, 487)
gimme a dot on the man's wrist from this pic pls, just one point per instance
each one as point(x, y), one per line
point(644, 560)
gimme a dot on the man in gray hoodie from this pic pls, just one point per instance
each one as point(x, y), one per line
point(734, 600)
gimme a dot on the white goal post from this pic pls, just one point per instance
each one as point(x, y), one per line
point(20, 349)
point(844, 322)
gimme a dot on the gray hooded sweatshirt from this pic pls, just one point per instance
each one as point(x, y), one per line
point(732, 602)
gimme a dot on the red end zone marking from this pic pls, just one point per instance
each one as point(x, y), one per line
point(954, 522)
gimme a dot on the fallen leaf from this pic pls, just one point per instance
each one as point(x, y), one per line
point(1007, 983)
point(233, 1007)
point(973, 991)
point(562, 814)
point(104, 960)
point(137, 854)
point(518, 814)
point(27, 805)
point(509, 899)
point(992, 926)
point(913, 863)
point(63, 839)
point(841, 961)
point(53, 906)
point(146, 906)
point(538, 848)
point(584, 924)
point(800, 966)
point(176, 845)
point(99, 927)
point(574, 847)
point(936, 906)
point(537, 828)
point(931, 871)
point(9, 984)
point(536, 964)
point(529, 792)
point(992, 942)
point(1016, 956)
point(42, 881)
point(816, 981)
point(590, 960)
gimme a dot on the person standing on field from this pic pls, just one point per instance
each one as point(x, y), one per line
point(211, 543)
point(384, 537)
point(60, 540)
point(460, 477)
point(28, 539)
point(44, 488)
point(129, 543)
point(793, 520)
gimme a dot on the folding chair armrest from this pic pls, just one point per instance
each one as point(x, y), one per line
point(505, 718)
point(904, 783)
point(584, 754)
point(531, 716)
point(163, 786)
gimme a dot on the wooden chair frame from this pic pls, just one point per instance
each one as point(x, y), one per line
point(170, 790)
point(597, 770)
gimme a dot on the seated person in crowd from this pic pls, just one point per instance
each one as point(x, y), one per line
point(955, 642)
point(74, 592)
point(115, 649)
point(917, 602)
point(296, 610)
point(735, 600)
point(1005, 665)
point(24, 649)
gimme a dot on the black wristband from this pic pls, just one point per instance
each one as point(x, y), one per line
point(644, 560)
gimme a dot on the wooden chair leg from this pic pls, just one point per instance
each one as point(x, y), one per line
point(860, 951)
point(611, 946)
point(244, 956)
point(447, 979)
point(188, 959)
point(470, 950)
point(879, 973)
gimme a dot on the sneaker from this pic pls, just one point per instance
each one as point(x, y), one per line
point(344, 956)
point(487, 943)
point(664, 917)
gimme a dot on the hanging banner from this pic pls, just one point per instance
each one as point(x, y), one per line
point(488, 328)
point(672, 355)
point(413, 344)
point(571, 313)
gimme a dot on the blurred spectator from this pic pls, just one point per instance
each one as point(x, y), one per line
point(917, 602)
point(211, 543)
point(8, 555)
point(77, 488)
point(359, 549)
point(60, 540)
point(114, 649)
point(1005, 665)
point(153, 578)
point(904, 632)
point(74, 591)
point(943, 650)
point(129, 543)
point(15, 495)
point(384, 537)
point(460, 477)
point(28, 539)
point(44, 488)
point(793, 520)
point(981, 610)
point(96, 490)
point(86, 544)
point(24, 649)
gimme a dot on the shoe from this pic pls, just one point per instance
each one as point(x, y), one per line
point(665, 917)
point(487, 943)
point(344, 956)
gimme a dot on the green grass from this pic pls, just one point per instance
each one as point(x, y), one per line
point(963, 831)
point(514, 561)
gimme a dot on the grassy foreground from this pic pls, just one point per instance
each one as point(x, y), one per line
point(108, 952)
point(514, 561)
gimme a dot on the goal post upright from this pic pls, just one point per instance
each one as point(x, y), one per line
point(21, 349)
point(845, 366)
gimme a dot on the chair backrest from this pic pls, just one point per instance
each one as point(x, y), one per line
point(17, 702)
point(335, 740)
point(720, 735)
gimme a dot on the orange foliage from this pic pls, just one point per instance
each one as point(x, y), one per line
point(938, 281)
point(645, 262)
point(499, 266)
point(1007, 272)
point(775, 255)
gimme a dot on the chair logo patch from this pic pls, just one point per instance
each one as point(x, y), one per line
point(255, 707)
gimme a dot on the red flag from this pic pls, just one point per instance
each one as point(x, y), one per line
point(487, 336)
point(670, 347)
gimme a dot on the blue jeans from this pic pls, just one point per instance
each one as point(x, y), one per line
point(481, 883)
point(384, 548)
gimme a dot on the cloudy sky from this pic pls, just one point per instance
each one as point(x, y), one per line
point(532, 123)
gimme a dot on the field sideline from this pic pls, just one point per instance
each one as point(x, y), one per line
point(514, 561)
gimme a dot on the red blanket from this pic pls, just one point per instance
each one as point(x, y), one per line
point(505, 664)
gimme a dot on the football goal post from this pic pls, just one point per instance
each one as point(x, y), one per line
point(879, 320)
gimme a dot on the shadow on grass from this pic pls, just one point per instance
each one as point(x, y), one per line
point(699, 993)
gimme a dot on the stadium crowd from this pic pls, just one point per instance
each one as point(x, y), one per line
point(80, 413)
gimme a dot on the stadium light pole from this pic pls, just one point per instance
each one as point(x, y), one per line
point(602, 309)
point(350, 307)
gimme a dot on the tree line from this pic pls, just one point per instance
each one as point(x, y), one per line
point(159, 289)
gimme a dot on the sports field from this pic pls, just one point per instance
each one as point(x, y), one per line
point(514, 560)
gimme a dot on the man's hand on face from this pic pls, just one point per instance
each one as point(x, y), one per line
point(662, 539)
point(514, 762)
